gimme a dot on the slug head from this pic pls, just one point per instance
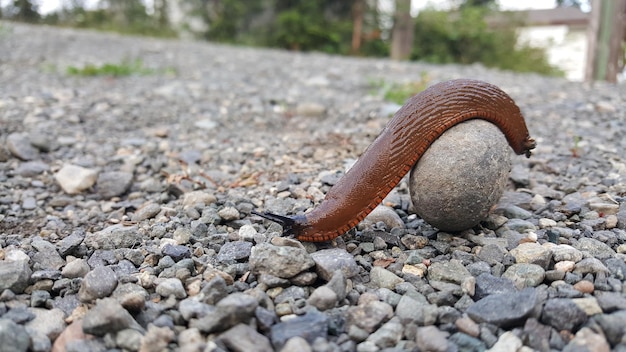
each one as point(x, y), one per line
point(528, 145)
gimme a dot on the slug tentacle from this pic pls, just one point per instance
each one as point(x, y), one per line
point(404, 140)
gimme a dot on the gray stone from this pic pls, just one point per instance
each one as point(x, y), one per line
point(131, 296)
point(74, 179)
point(214, 290)
point(613, 325)
point(525, 275)
point(233, 309)
point(46, 256)
point(465, 342)
point(171, 287)
point(507, 342)
point(48, 322)
point(234, 251)
point(176, 252)
point(532, 253)
point(564, 252)
point(114, 236)
point(471, 162)
point(323, 298)
point(98, 283)
point(514, 212)
point(157, 338)
point(595, 248)
point(369, 316)
point(70, 243)
point(128, 339)
point(146, 211)
point(296, 344)
point(108, 316)
point(309, 326)
point(429, 338)
point(383, 278)
point(20, 146)
point(16, 334)
point(562, 314)
point(588, 340)
point(310, 109)
point(610, 301)
point(410, 310)
point(244, 338)
point(14, 275)
point(191, 307)
point(338, 284)
point(491, 254)
point(452, 271)
point(487, 284)
point(590, 265)
point(504, 309)
point(388, 335)
point(280, 261)
point(387, 215)
point(114, 183)
point(327, 261)
point(228, 213)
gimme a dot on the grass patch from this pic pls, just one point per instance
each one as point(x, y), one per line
point(123, 69)
point(399, 92)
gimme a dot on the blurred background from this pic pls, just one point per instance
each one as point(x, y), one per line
point(577, 39)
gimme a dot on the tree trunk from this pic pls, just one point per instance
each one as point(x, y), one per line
point(402, 33)
point(358, 10)
point(605, 37)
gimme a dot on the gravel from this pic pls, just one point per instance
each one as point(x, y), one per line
point(126, 208)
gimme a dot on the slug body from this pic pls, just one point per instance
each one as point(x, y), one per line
point(424, 118)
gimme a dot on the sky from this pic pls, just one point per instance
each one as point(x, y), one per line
point(47, 6)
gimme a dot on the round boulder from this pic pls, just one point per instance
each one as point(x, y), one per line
point(461, 176)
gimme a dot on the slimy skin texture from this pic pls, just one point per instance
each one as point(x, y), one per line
point(424, 118)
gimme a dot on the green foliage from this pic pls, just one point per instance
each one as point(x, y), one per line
point(399, 92)
point(125, 68)
point(465, 37)
point(121, 16)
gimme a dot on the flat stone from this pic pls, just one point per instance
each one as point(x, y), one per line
point(108, 316)
point(242, 337)
point(309, 326)
point(532, 253)
point(114, 183)
point(562, 314)
point(525, 275)
point(461, 176)
point(327, 261)
point(10, 331)
point(114, 236)
point(504, 309)
point(20, 146)
point(234, 251)
point(280, 261)
point(452, 271)
point(381, 277)
point(385, 214)
point(98, 283)
point(14, 275)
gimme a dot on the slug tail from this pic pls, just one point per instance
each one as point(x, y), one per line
point(289, 224)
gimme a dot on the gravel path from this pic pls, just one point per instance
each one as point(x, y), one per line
point(125, 208)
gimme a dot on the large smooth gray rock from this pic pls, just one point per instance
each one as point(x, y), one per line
point(461, 176)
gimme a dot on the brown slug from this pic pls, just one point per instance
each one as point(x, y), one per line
point(424, 118)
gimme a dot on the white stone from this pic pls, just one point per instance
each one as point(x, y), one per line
point(75, 179)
